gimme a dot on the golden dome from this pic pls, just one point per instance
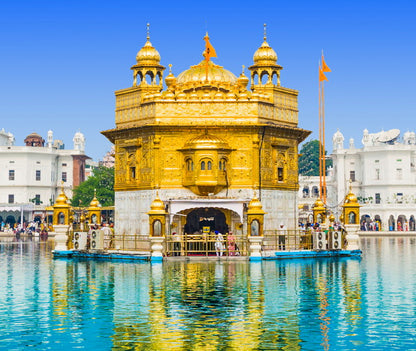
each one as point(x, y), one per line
point(206, 141)
point(148, 55)
point(318, 204)
point(94, 202)
point(170, 79)
point(206, 73)
point(255, 206)
point(62, 199)
point(265, 55)
point(242, 79)
point(350, 198)
point(157, 206)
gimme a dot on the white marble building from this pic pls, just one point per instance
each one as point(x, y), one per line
point(31, 175)
point(382, 174)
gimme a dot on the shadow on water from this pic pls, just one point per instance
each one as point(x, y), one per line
point(311, 304)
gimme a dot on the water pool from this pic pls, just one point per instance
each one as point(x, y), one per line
point(308, 304)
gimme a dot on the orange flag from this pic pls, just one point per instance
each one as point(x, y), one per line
point(322, 76)
point(325, 67)
point(209, 49)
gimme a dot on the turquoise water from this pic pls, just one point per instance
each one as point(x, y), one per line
point(321, 304)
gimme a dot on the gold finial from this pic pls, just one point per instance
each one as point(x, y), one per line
point(148, 31)
point(243, 69)
point(265, 32)
point(95, 192)
point(170, 68)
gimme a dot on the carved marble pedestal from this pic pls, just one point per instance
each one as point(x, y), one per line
point(157, 248)
point(353, 240)
point(61, 237)
point(255, 247)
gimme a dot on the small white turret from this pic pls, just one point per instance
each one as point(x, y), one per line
point(409, 138)
point(79, 142)
point(352, 143)
point(11, 139)
point(338, 141)
point(50, 138)
point(366, 138)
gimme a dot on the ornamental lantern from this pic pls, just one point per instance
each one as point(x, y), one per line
point(255, 218)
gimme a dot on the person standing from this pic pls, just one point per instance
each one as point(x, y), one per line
point(219, 243)
point(231, 244)
point(176, 244)
point(282, 237)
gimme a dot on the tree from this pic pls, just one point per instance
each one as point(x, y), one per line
point(102, 181)
point(309, 159)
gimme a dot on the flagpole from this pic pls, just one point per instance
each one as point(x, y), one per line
point(323, 144)
point(322, 160)
point(320, 144)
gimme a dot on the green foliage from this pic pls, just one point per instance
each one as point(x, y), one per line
point(102, 181)
point(309, 159)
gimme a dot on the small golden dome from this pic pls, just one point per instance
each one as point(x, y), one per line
point(319, 204)
point(242, 79)
point(255, 204)
point(94, 202)
point(170, 79)
point(206, 73)
point(332, 218)
point(61, 199)
point(206, 141)
point(157, 204)
point(148, 55)
point(350, 198)
point(265, 55)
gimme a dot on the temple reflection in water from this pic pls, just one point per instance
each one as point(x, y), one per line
point(212, 305)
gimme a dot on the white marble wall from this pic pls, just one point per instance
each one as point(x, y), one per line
point(132, 206)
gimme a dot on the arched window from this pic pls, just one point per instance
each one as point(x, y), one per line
point(255, 78)
point(222, 164)
point(255, 227)
point(412, 223)
point(392, 226)
point(61, 218)
point(275, 79)
point(189, 165)
point(264, 78)
point(351, 218)
point(157, 228)
point(203, 166)
point(209, 165)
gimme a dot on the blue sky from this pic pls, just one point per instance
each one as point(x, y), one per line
point(61, 61)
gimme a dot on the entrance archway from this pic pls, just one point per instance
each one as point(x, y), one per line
point(199, 218)
point(412, 223)
point(11, 221)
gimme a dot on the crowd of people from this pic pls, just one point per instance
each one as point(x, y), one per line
point(33, 228)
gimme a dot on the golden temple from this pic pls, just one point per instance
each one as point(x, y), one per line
point(205, 144)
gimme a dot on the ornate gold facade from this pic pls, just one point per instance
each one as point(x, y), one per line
point(206, 131)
